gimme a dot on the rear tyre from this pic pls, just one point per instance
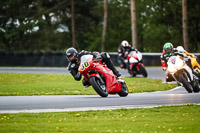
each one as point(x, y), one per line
point(98, 86)
point(143, 71)
point(124, 90)
point(185, 83)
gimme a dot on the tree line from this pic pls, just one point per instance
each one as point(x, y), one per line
point(96, 25)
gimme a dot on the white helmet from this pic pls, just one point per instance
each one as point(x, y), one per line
point(125, 43)
point(180, 49)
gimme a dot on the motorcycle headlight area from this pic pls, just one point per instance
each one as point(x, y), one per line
point(179, 64)
point(171, 69)
point(132, 60)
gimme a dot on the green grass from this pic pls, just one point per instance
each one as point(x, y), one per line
point(179, 119)
point(49, 84)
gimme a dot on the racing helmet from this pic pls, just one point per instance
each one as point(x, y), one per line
point(124, 43)
point(168, 48)
point(71, 54)
point(180, 49)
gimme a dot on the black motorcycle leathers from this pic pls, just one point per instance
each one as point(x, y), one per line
point(123, 53)
point(73, 66)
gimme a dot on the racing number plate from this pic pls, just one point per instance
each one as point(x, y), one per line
point(84, 65)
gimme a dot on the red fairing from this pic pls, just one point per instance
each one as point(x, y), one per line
point(111, 82)
point(138, 65)
point(127, 57)
point(135, 56)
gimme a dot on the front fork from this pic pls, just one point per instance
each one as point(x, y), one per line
point(137, 66)
point(98, 76)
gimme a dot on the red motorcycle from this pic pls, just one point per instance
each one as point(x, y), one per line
point(101, 78)
point(135, 65)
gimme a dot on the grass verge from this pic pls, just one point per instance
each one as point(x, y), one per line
point(165, 119)
point(50, 84)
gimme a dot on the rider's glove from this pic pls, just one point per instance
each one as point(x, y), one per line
point(164, 68)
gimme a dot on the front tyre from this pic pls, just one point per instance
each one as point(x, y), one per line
point(143, 71)
point(185, 83)
point(124, 90)
point(98, 86)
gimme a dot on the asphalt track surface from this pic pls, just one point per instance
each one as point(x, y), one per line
point(61, 103)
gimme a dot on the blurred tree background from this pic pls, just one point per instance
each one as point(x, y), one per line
point(46, 24)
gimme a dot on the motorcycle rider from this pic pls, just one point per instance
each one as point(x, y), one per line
point(123, 50)
point(168, 51)
point(74, 57)
point(195, 64)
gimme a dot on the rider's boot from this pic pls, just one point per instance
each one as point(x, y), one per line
point(197, 69)
point(196, 73)
point(85, 83)
point(116, 72)
point(193, 70)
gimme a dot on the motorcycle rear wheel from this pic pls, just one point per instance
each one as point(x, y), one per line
point(99, 87)
point(185, 83)
point(196, 85)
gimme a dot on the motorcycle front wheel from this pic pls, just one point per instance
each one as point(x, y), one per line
point(143, 71)
point(98, 86)
point(185, 83)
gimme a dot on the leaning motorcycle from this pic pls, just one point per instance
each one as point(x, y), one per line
point(182, 74)
point(135, 65)
point(101, 78)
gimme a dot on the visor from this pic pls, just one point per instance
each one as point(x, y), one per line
point(168, 50)
point(71, 57)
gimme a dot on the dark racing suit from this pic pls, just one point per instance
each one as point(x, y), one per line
point(123, 53)
point(73, 66)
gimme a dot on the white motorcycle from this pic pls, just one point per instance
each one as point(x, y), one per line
point(182, 73)
point(135, 65)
